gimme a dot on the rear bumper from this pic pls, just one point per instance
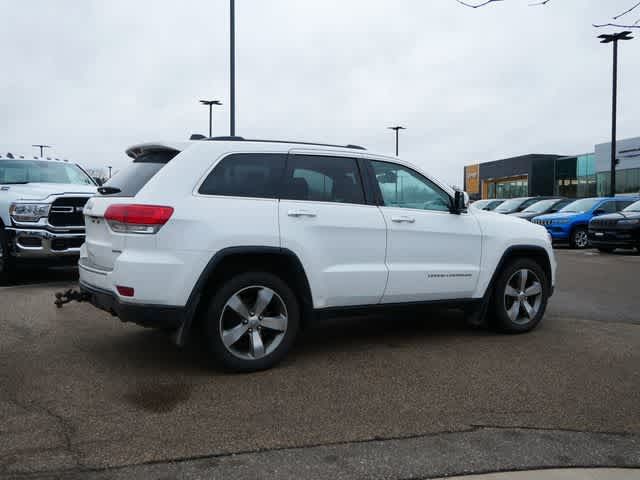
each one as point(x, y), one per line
point(43, 244)
point(151, 316)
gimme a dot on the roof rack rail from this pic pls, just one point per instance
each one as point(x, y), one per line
point(242, 139)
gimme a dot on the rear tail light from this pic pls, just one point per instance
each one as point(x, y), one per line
point(144, 219)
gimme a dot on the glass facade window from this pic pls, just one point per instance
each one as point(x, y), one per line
point(627, 181)
point(586, 173)
point(512, 188)
point(566, 177)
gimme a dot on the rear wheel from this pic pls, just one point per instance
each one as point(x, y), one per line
point(252, 322)
point(520, 296)
point(579, 238)
point(6, 262)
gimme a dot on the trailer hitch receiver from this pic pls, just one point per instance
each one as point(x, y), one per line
point(70, 296)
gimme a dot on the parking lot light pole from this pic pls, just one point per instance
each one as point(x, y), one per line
point(614, 38)
point(397, 128)
point(41, 147)
point(232, 67)
point(211, 103)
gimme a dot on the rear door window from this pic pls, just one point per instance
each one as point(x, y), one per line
point(130, 180)
point(323, 179)
point(254, 175)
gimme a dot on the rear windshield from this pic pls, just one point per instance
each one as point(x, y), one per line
point(130, 180)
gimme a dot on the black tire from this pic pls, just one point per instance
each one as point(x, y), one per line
point(579, 238)
point(6, 262)
point(606, 249)
point(501, 306)
point(213, 322)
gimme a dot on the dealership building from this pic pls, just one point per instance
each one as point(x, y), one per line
point(573, 176)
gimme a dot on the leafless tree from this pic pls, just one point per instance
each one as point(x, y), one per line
point(617, 20)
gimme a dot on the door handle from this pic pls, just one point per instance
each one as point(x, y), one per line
point(300, 213)
point(403, 218)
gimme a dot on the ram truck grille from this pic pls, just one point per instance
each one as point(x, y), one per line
point(67, 212)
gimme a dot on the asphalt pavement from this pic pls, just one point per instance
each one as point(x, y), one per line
point(85, 396)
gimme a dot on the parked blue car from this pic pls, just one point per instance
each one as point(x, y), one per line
point(571, 222)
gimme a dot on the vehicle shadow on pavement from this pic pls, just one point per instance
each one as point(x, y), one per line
point(154, 351)
point(35, 275)
point(388, 330)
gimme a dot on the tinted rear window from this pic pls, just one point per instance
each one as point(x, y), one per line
point(255, 175)
point(137, 174)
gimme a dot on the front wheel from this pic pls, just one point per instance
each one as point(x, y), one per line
point(520, 296)
point(579, 238)
point(252, 322)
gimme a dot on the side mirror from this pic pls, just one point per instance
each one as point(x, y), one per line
point(460, 202)
point(599, 211)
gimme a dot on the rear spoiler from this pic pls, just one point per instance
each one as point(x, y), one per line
point(136, 150)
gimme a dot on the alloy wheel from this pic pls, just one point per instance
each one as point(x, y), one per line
point(581, 239)
point(523, 296)
point(253, 322)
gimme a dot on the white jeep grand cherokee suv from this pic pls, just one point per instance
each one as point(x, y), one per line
point(249, 239)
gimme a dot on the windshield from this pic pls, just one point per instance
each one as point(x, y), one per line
point(510, 205)
point(41, 171)
point(580, 206)
point(634, 207)
point(541, 206)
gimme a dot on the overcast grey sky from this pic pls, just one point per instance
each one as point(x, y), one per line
point(92, 77)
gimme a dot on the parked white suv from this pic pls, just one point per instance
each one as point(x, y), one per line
point(251, 239)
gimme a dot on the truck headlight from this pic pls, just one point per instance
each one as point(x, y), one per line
point(29, 212)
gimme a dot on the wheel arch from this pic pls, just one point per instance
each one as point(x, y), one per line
point(577, 225)
point(535, 252)
point(232, 260)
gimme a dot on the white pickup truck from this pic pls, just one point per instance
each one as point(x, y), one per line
point(41, 211)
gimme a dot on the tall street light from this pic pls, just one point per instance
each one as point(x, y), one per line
point(614, 38)
point(232, 65)
point(41, 147)
point(397, 128)
point(211, 103)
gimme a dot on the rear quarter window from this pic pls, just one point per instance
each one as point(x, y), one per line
point(130, 180)
point(255, 175)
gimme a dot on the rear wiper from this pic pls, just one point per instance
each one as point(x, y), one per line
point(108, 190)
